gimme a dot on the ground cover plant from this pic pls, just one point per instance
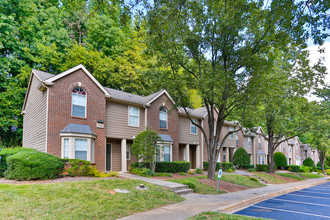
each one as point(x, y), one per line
point(290, 175)
point(311, 175)
point(241, 180)
point(217, 215)
point(81, 200)
point(272, 179)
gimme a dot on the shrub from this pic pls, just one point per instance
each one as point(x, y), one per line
point(241, 157)
point(142, 172)
point(163, 174)
point(182, 173)
point(248, 166)
point(229, 170)
point(319, 166)
point(262, 167)
point(198, 171)
point(254, 179)
point(327, 171)
point(304, 169)
point(251, 170)
point(227, 165)
point(29, 165)
point(191, 184)
point(280, 159)
point(206, 166)
point(308, 162)
point(190, 172)
point(294, 168)
point(165, 167)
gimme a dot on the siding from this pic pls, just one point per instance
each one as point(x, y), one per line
point(184, 132)
point(245, 145)
point(34, 119)
point(117, 122)
point(229, 142)
point(116, 157)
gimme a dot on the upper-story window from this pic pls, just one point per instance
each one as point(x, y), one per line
point(193, 128)
point(163, 118)
point(249, 141)
point(259, 142)
point(79, 102)
point(133, 116)
point(231, 136)
point(284, 147)
point(236, 139)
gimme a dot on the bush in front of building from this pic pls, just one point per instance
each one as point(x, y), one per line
point(294, 168)
point(248, 166)
point(206, 166)
point(165, 166)
point(262, 167)
point(308, 162)
point(241, 157)
point(318, 165)
point(5, 153)
point(227, 165)
point(280, 160)
point(304, 169)
point(30, 165)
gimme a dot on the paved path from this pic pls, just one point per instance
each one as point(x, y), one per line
point(196, 203)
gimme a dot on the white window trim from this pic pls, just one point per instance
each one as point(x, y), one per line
point(129, 117)
point(72, 105)
point(166, 119)
point(72, 137)
point(191, 124)
point(161, 145)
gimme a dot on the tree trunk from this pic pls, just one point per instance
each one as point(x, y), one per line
point(271, 155)
point(211, 169)
point(322, 156)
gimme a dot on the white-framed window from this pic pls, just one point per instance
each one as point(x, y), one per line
point(163, 118)
point(259, 142)
point(92, 151)
point(81, 149)
point(283, 147)
point(163, 152)
point(66, 148)
point(128, 152)
point(236, 139)
point(133, 116)
point(261, 159)
point(79, 100)
point(249, 142)
point(193, 128)
point(224, 156)
point(231, 136)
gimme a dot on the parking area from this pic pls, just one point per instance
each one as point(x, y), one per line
point(309, 203)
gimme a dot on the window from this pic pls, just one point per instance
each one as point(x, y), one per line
point(128, 152)
point(163, 118)
point(193, 128)
point(163, 152)
point(259, 142)
point(262, 160)
point(284, 147)
point(224, 156)
point(133, 116)
point(79, 102)
point(66, 148)
point(92, 151)
point(236, 139)
point(167, 153)
point(81, 149)
point(249, 142)
point(231, 136)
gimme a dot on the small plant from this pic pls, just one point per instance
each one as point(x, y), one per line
point(191, 184)
point(142, 172)
point(327, 171)
point(190, 172)
point(183, 174)
point(229, 170)
point(199, 171)
point(304, 169)
point(163, 174)
point(251, 170)
point(254, 179)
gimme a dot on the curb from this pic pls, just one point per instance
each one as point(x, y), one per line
point(240, 205)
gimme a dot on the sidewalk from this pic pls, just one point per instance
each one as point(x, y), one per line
point(197, 203)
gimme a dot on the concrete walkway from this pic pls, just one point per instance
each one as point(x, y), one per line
point(228, 203)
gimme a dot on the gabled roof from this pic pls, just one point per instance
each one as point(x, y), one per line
point(199, 112)
point(154, 96)
point(78, 129)
point(41, 75)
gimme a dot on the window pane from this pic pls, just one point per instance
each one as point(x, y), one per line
point(167, 153)
point(162, 124)
point(78, 111)
point(92, 151)
point(193, 128)
point(66, 148)
point(157, 153)
point(133, 120)
point(81, 149)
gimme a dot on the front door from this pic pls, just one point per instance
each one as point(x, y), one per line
point(108, 157)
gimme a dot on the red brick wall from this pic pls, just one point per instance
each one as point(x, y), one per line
point(172, 122)
point(59, 113)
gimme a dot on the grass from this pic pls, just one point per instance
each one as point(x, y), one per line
point(270, 178)
point(217, 215)
point(241, 180)
point(311, 175)
point(200, 187)
point(81, 200)
point(291, 176)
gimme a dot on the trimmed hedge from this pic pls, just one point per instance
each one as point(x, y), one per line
point(294, 168)
point(30, 165)
point(262, 167)
point(249, 166)
point(5, 153)
point(206, 166)
point(165, 167)
point(224, 166)
point(280, 160)
point(308, 162)
point(241, 157)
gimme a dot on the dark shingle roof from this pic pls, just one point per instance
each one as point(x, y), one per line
point(166, 137)
point(76, 128)
point(42, 75)
point(199, 112)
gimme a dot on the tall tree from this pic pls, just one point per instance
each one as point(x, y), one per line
point(219, 47)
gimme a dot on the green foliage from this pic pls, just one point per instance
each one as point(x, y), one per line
point(166, 166)
point(183, 174)
point(142, 172)
point(5, 153)
point(327, 171)
point(163, 174)
point(304, 169)
point(191, 172)
point(30, 165)
point(294, 168)
point(249, 166)
point(280, 159)
point(319, 165)
point(241, 157)
point(191, 184)
point(206, 166)
point(251, 170)
point(263, 167)
point(199, 171)
point(227, 166)
point(229, 170)
point(254, 179)
point(308, 162)
point(144, 148)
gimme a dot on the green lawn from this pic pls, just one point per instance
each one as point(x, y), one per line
point(241, 180)
point(290, 175)
point(200, 187)
point(217, 215)
point(311, 175)
point(270, 179)
point(81, 200)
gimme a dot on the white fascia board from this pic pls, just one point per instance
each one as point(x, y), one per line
point(77, 135)
point(164, 91)
point(80, 66)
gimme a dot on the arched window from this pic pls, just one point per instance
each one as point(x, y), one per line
point(79, 102)
point(163, 118)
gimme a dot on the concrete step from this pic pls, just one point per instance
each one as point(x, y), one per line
point(260, 180)
point(184, 191)
point(176, 188)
